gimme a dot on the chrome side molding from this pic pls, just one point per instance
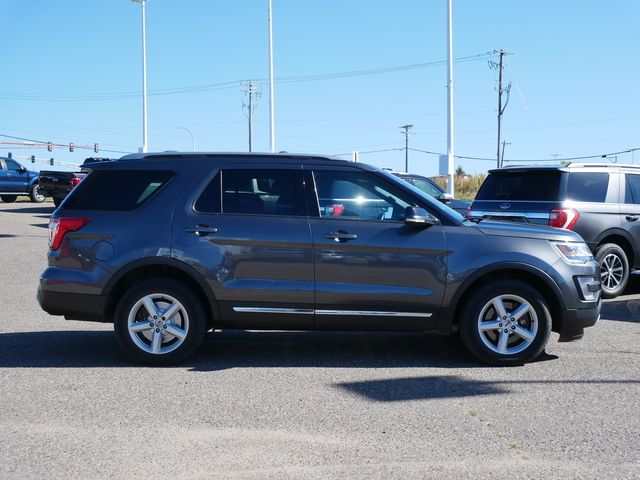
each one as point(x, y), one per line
point(310, 311)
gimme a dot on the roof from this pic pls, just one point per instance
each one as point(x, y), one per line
point(244, 155)
point(564, 168)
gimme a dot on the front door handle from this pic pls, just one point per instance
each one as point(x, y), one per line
point(201, 230)
point(340, 236)
point(632, 218)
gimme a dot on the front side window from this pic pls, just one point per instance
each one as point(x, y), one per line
point(12, 165)
point(254, 192)
point(587, 187)
point(358, 196)
point(426, 186)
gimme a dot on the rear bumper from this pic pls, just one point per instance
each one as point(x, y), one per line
point(574, 322)
point(74, 306)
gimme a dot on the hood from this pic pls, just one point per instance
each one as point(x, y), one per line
point(526, 230)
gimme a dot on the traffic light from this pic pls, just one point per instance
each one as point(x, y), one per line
point(51, 161)
point(10, 156)
point(49, 146)
point(71, 147)
point(33, 159)
point(95, 147)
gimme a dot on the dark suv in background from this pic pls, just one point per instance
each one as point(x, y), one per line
point(601, 202)
point(431, 188)
point(193, 242)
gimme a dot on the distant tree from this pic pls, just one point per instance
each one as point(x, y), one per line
point(460, 171)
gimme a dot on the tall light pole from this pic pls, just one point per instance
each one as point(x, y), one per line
point(193, 140)
point(144, 148)
point(272, 115)
point(406, 134)
point(450, 167)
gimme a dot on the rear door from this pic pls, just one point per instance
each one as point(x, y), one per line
point(372, 271)
point(630, 210)
point(248, 235)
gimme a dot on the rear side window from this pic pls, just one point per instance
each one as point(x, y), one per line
point(632, 189)
point(522, 185)
point(117, 190)
point(587, 187)
point(255, 192)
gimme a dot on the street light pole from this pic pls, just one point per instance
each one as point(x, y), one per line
point(272, 116)
point(144, 75)
point(450, 156)
point(193, 140)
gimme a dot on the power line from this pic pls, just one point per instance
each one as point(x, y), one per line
point(86, 97)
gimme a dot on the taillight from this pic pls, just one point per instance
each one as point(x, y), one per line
point(563, 218)
point(75, 181)
point(60, 226)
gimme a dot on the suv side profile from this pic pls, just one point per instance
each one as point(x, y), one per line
point(600, 202)
point(197, 242)
point(16, 180)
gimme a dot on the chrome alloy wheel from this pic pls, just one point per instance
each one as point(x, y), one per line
point(37, 196)
point(611, 271)
point(158, 323)
point(507, 324)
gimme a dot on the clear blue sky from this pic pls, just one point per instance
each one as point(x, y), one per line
point(72, 73)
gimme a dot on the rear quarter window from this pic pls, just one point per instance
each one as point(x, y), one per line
point(117, 190)
point(521, 185)
point(587, 187)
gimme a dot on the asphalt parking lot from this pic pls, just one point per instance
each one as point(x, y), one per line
point(301, 404)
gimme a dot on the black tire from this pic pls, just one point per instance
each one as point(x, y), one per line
point(485, 343)
point(35, 195)
point(190, 320)
point(614, 269)
point(8, 198)
point(57, 201)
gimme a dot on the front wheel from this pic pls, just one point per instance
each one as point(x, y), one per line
point(160, 322)
point(614, 269)
point(505, 323)
point(35, 195)
point(57, 201)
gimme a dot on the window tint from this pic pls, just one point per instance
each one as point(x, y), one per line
point(120, 190)
point(632, 189)
point(587, 187)
point(426, 186)
point(358, 195)
point(266, 192)
point(522, 185)
point(12, 165)
point(210, 199)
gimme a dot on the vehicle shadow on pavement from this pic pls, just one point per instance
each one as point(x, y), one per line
point(43, 210)
point(621, 310)
point(450, 386)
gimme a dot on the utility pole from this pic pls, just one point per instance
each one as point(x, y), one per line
point(504, 143)
point(272, 114)
point(251, 90)
point(450, 155)
point(406, 134)
point(506, 90)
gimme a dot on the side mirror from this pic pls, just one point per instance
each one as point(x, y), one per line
point(445, 197)
point(22, 169)
point(417, 216)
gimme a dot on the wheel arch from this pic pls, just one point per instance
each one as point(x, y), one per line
point(623, 240)
point(161, 267)
point(528, 274)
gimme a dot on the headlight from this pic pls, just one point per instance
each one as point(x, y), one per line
point(573, 252)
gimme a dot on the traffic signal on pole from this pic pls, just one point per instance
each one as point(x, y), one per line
point(95, 147)
point(10, 155)
point(51, 161)
point(33, 159)
point(71, 147)
point(49, 146)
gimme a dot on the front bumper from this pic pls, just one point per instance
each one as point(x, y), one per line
point(574, 321)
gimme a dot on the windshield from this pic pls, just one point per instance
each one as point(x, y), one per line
point(437, 205)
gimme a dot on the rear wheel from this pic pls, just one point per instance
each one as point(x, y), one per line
point(505, 323)
point(8, 198)
point(614, 269)
point(160, 322)
point(35, 195)
point(57, 201)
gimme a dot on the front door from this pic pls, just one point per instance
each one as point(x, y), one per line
point(248, 234)
point(16, 178)
point(372, 270)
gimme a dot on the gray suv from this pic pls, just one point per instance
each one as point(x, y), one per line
point(601, 202)
point(169, 246)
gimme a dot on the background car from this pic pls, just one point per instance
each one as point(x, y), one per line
point(601, 202)
point(430, 187)
point(16, 180)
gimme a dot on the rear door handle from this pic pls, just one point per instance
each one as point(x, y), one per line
point(201, 230)
point(340, 236)
point(632, 218)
